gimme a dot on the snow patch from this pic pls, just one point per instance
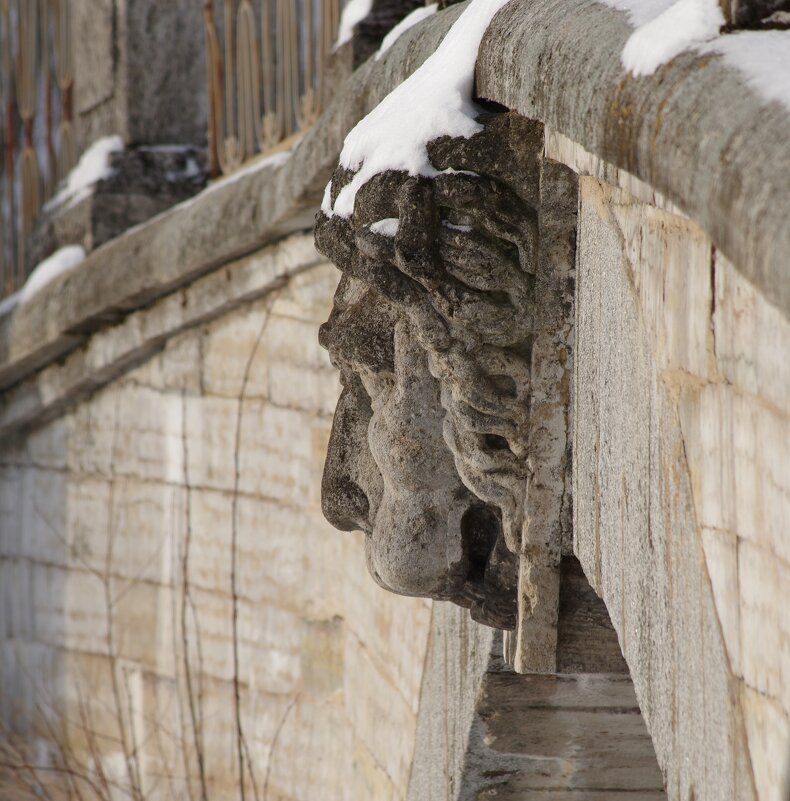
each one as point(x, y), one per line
point(386, 227)
point(353, 12)
point(409, 21)
point(435, 100)
point(681, 26)
point(60, 262)
point(93, 165)
point(666, 28)
point(457, 226)
point(762, 57)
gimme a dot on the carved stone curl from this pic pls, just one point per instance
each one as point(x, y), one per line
point(432, 331)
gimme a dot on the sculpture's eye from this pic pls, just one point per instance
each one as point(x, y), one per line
point(495, 443)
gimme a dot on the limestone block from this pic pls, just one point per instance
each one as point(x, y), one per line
point(211, 441)
point(276, 448)
point(373, 615)
point(46, 447)
point(764, 583)
point(737, 454)
point(12, 481)
point(721, 558)
point(31, 666)
point(309, 390)
point(768, 731)
point(670, 262)
point(204, 534)
point(636, 518)
point(149, 441)
point(177, 367)
point(277, 547)
point(16, 592)
point(228, 345)
point(94, 67)
point(308, 295)
point(367, 705)
point(750, 332)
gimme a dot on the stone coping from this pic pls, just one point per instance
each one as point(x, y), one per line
point(557, 61)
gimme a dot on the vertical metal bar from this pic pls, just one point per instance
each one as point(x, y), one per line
point(7, 254)
point(215, 98)
point(308, 103)
point(46, 70)
point(27, 60)
point(64, 63)
point(249, 89)
point(271, 125)
point(290, 38)
point(229, 154)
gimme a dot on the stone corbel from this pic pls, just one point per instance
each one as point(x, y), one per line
point(452, 330)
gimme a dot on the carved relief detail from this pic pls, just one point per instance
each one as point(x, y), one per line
point(432, 330)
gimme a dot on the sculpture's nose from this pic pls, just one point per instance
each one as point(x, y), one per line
point(344, 502)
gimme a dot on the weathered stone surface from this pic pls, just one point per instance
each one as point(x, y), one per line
point(140, 71)
point(705, 97)
point(756, 13)
point(540, 59)
point(142, 183)
point(117, 348)
point(434, 330)
point(134, 492)
point(674, 467)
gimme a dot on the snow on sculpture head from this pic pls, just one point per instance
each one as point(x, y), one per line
point(432, 331)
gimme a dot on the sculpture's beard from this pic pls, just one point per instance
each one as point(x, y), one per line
point(428, 535)
point(432, 329)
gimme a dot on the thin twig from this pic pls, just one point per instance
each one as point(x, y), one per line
point(241, 745)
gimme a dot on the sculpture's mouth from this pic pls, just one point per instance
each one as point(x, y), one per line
point(489, 590)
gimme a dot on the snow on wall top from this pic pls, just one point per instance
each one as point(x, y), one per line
point(667, 28)
point(435, 100)
point(409, 21)
point(94, 164)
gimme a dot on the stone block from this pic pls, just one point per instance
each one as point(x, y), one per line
point(165, 72)
point(764, 583)
point(721, 558)
point(768, 732)
point(366, 706)
point(97, 97)
point(294, 387)
point(737, 455)
point(670, 261)
point(176, 368)
point(308, 295)
point(149, 440)
point(228, 345)
point(749, 333)
point(638, 483)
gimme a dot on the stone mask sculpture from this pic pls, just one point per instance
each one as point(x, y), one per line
point(432, 333)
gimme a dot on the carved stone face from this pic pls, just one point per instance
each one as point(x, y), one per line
point(431, 331)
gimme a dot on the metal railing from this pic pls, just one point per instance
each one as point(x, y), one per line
point(36, 113)
point(267, 80)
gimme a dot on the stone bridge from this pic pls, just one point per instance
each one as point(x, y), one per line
point(177, 611)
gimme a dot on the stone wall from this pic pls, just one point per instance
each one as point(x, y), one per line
point(682, 489)
point(162, 552)
point(129, 463)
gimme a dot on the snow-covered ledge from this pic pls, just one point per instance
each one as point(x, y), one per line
point(559, 63)
point(701, 152)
